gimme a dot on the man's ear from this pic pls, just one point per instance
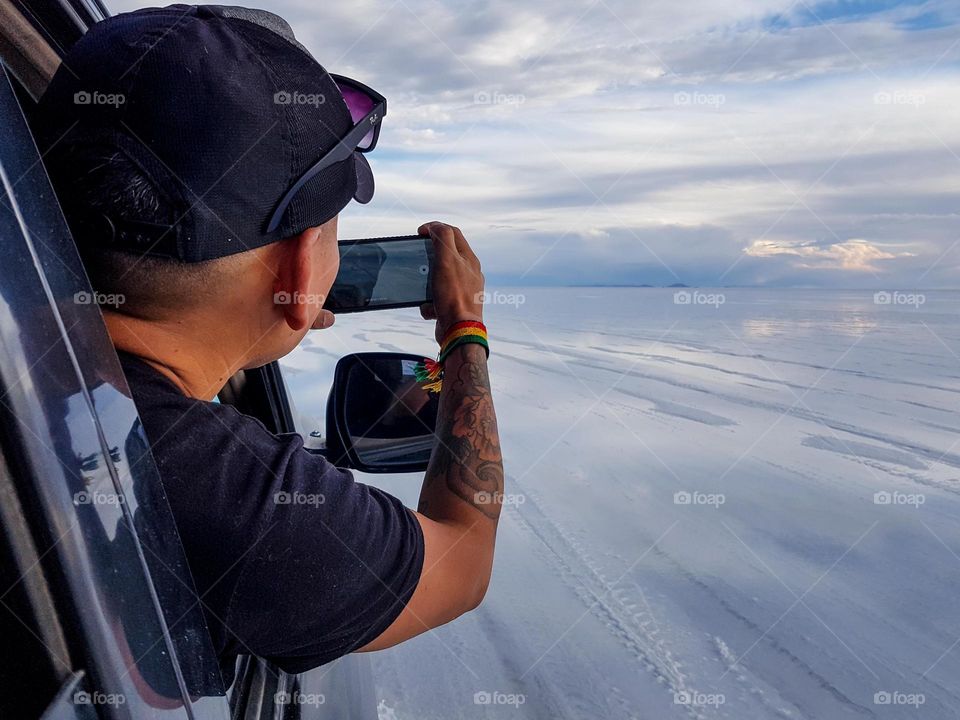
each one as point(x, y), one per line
point(292, 287)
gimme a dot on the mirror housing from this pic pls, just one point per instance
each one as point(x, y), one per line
point(379, 418)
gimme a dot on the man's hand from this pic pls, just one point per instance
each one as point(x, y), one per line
point(457, 280)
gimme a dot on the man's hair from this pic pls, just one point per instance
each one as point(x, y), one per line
point(93, 180)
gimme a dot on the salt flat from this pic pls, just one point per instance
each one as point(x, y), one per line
point(743, 506)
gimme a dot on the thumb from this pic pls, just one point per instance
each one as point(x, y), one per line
point(324, 320)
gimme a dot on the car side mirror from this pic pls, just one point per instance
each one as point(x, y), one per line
point(379, 417)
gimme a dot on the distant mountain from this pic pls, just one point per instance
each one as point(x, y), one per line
point(621, 285)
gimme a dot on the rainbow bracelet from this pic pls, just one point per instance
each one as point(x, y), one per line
point(429, 373)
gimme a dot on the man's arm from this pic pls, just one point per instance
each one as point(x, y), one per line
point(463, 486)
point(466, 464)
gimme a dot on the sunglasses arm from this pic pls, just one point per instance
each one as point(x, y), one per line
point(338, 153)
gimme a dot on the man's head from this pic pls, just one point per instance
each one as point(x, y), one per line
point(276, 290)
point(172, 136)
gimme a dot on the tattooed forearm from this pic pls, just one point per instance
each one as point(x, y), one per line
point(466, 461)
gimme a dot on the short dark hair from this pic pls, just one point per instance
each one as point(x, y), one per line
point(92, 180)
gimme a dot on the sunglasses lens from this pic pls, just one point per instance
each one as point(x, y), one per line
point(359, 104)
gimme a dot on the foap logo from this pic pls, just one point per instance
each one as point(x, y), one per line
point(287, 97)
point(685, 297)
point(711, 100)
point(98, 298)
point(485, 97)
point(82, 697)
point(501, 298)
point(282, 698)
point(299, 498)
point(496, 697)
point(698, 699)
point(898, 298)
point(499, 498)
point(95, 497)
point(298, 298)
point(85, 97)
point(895, 697)
point(695, 497)
point(900, 97)
point(899, 498)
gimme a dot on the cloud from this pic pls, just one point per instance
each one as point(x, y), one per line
point(642, 142)
point(853, 255)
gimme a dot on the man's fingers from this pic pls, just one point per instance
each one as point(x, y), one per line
point(441, 233)
point(324, 320)
point(463, 247)
point(457, 280)
point(434, 227)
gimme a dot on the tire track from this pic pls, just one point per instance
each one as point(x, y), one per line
point(633, 627)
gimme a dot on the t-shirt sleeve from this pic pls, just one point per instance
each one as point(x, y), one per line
point(333, 564)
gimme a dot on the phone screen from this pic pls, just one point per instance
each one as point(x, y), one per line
point(382, 273)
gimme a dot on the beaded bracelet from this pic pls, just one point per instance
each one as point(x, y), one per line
point(429, 373)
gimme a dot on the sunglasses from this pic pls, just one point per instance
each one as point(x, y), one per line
point(367, 108)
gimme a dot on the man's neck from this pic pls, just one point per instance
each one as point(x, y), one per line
point(199, 368)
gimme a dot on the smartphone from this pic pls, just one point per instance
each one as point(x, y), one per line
point(382, 273)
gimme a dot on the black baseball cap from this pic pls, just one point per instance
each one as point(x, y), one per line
point(223, 110)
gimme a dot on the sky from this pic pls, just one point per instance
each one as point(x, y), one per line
point(782, 143)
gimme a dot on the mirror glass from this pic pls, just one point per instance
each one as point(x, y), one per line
point(389, 417)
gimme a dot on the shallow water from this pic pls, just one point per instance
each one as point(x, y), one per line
point(743, 506)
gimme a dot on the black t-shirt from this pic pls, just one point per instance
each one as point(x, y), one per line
point(294, 560)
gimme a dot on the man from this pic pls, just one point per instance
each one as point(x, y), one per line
point(190, 148)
